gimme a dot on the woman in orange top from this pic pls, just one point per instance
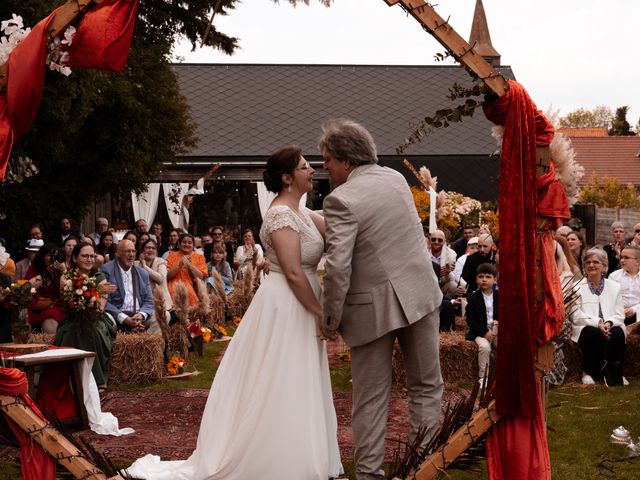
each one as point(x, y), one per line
point(185, 265)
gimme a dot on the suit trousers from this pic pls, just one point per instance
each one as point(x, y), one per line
point(371, 370)
point(484, 354)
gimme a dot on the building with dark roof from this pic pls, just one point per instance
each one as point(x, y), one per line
point(245, 112)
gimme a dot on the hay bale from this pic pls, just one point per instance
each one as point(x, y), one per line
point(458, 359)
point(137, 358)
point(178, 340)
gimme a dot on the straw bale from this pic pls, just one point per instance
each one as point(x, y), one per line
point(217, 308)
point(243, 292)
point(178, 340)
point(137, 358)
point(46, 338)
point(458, 359)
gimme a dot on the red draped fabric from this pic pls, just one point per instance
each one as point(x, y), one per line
point(35, 463)
point(54, 391)
point(102, 41)
point(515, 379)
point(517, 446)
point(103, 37)
point(25, 81)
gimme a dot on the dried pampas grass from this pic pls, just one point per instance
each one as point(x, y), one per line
point(200, 311)
point(161, 312)
point(181, 302)
point(137, 358)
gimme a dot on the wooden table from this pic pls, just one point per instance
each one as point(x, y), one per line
point(28, 363)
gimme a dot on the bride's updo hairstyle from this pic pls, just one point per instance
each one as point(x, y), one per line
point(282, 162)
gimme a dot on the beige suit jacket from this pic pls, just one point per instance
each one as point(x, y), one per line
point(379, 275)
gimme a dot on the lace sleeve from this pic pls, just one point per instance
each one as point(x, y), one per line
point(277, 218)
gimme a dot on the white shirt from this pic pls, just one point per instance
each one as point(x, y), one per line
point(488, 305)
point(629, 287)
point(457, 271)
point(127, 303)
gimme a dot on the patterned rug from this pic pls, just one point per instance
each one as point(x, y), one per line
point(167, 424)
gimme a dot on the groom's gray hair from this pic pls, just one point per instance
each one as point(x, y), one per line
point(348, 141)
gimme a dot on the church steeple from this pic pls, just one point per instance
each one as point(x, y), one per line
point(480, 38)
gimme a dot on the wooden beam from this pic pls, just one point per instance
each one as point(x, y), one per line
point(52, 441)
point(67, 14)
point(454, 43)
point(460, 441)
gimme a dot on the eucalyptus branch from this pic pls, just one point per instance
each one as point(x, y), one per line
point(444, 117)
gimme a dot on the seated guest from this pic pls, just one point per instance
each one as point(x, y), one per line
point(131, 304)
point(156, 229)
point(142, 238)
point(635, 240)
point(482, 316)
point(220, 264)
point(248, 255)
point(563, 231)
point(566, 263)
point(67, 247)
point(156, 267)
point(613, 250)
point(174, 238)
point(99, 336)
point(445, 259)
point(45, 310)
point(106, 247)
point(186, 265)
point(577, 246)
point(217, 233)
point(472, 247)
point(23, 265)
point(460, 245)
point(141, 226)
point(598, 322)
point(64, 230)
point(629, 279)
point(485, 254)
point(102, 226)
point(132, 236)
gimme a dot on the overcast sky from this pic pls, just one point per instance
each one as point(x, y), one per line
point(568, 54)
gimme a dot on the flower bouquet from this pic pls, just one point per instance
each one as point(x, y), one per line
point(236, 320)
point(81, 298)
point(220, 332)
point(19, 294)
point(176, 365)
point(206, 334)
point(195, 336)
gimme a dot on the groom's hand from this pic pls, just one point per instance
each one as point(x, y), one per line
point(326, 334)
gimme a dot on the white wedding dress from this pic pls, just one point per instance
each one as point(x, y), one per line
point(270, 412)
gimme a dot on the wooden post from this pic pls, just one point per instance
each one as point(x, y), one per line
point(66, 15)
point(52, 441)
point(454, 43)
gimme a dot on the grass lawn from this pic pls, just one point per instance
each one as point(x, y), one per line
point(580, 420)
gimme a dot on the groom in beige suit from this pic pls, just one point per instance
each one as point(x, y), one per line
point(379, 287)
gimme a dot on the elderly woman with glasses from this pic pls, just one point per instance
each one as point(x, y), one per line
point(95, 336)
point(598, 322)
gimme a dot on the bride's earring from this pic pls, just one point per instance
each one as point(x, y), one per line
point(289, 188)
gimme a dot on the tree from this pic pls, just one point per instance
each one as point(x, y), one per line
point(609, 193)
point(107, 133)
point(619, 125)
point(600, 116)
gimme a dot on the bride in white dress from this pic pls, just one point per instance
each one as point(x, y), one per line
point(270, 412)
